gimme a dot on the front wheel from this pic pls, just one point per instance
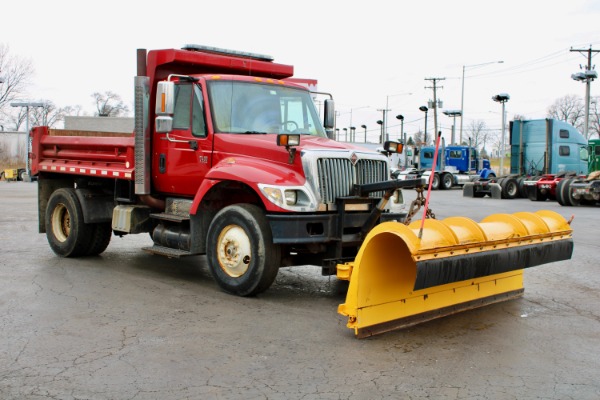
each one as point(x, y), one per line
point(241, 254)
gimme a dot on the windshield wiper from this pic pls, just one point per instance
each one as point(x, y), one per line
point(256, 132)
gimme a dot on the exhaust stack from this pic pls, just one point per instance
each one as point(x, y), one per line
point(142, 126)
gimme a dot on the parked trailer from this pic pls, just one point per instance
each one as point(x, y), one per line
point(538, 147)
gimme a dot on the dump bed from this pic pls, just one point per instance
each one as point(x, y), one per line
point(102, 154)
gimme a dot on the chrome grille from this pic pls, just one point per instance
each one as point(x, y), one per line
point(336, 176)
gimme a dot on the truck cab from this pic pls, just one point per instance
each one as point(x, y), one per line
point(455, 166)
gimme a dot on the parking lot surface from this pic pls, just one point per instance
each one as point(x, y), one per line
point(130, 325)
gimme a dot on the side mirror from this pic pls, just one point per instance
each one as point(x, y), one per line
point(329, 117)
point(584, 154)
point(164, 124)
point(165, 98)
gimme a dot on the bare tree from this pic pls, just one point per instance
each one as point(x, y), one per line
point(594, 127)
point(17, 117)
point(15, 74)
point(49, 115)
point(418, 138)
point(570, 109)
point(478, 133)
point(109, 104)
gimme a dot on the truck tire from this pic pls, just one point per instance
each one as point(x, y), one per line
point(563, 193)
point(510, 188)
point(240, 251)
point(568, 196)
point(447, 182)
point(559, 193)
point(66, 232)
point(100, 238)
point(522, 188)
point(435, 184)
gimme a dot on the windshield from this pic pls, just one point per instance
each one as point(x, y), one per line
point(246, 107)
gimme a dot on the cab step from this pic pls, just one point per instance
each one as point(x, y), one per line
point(170, 217)
point(167, 251)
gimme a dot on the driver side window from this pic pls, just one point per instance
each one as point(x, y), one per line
point(183, 96)
point(188, 103)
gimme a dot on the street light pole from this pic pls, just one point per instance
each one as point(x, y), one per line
point(425, 109)
point(453, 114)
point(387, 108)
point(401, 118)
point(380, 122)
point(462, 93)
point(502, 98)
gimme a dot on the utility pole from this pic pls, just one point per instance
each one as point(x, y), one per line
point(435, 102)
point(587, 76)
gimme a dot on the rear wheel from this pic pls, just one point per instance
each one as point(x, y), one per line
point(560, 195)
point(435, 184)
point(66, 231)
point(569, 196)
point(522, 187)
point(447, 181)
point(100, 238)
point(510, 188)
point(241, 254)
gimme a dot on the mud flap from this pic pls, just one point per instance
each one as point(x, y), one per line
point(398, 280)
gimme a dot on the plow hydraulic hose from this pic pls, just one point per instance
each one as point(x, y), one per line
point(398, 279)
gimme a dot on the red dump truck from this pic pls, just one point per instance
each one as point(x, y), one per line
point(228, 158)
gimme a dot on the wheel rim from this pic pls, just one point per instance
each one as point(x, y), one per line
point(447, 182)
point(512, 189)
point(61, 222)
point(234, 251)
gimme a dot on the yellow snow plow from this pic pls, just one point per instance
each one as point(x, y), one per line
point(399, 280)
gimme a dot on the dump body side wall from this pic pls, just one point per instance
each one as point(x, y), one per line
point(97, 154)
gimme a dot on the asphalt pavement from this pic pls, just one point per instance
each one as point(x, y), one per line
point(131, 325)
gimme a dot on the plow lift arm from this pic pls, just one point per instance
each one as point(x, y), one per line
point(404, 275)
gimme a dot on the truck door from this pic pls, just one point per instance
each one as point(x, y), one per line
point(473, 166)
point(183, 157)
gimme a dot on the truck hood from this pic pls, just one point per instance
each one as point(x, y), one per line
point(265, 146)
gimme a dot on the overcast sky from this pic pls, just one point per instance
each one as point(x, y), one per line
point(365, 53)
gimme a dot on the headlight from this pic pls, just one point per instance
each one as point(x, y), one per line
point(273, 194)
point(291, 197)
point(297, 198)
